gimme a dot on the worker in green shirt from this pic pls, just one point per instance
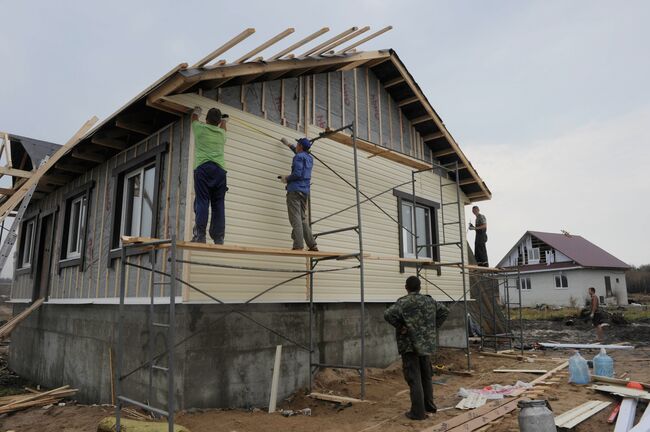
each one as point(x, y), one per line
point(209, 174)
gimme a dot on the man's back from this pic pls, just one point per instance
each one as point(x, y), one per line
point(420, 315)
point(209, 143)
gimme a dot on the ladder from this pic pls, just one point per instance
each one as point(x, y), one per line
point(12, 233)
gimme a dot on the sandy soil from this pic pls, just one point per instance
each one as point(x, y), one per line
point(387, 392)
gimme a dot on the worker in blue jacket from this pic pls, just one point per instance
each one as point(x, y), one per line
point(298, 193)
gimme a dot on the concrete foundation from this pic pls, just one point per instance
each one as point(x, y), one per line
point(226, 360)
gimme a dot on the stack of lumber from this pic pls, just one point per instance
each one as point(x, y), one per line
point(34, 398)
point(10, 325)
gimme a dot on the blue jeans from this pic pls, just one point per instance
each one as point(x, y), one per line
point(210, 190)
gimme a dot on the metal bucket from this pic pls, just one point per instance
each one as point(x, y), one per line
point(535, 416)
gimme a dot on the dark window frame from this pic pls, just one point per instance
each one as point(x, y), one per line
point(155, 156)
point(84, 190)
point(435, 235)
point(564, 281)
point(30, 217)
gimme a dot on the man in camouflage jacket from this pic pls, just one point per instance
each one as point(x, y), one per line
point(415, 318)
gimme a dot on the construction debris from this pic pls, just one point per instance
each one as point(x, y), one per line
point(580, 413)
point(335, 398)
point(290, 413)
point(474, 400)
point(622, 391)
point(10, 325)
point(585, 346)
point(532, 371)
point(626, 415)
point(34, 399)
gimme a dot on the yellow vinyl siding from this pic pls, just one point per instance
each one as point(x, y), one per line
point(256, 216)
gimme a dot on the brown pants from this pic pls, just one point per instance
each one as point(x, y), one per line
point(299, 220)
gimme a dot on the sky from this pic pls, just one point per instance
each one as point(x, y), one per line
point(550, 100)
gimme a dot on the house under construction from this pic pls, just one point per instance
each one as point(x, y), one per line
point(106, 240)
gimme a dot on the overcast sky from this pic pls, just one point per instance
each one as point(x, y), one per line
point(549, 99)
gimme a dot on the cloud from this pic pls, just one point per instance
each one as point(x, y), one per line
point(591, 181)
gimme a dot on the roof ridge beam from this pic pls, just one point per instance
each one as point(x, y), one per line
point(265, 45)
point(223, 48)
point(300, 43)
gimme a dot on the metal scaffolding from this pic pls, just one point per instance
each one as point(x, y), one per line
point(156, 363)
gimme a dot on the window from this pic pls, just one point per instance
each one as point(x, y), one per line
point(27, 243)
point(422, 220)
point(524, 283)
point(138, 202)
point(533, 256)
point(608, 287)
point(561, 281)
point(136, 195)
point(76, 227)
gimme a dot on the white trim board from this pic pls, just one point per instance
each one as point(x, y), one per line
point(580, 413)
point(113, 300)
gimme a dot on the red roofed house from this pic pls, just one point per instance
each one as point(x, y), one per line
point(557, 269)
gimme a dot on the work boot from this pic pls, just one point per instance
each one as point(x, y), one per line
point(410, 415)
point(198, 239)
point(432, 410)
point(314, 248)
point(218, 241)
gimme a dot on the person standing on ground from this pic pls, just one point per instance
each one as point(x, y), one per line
point(597, 315)
point(298, 189)
point(209, 174)
point(415, 318)
point(480, 250)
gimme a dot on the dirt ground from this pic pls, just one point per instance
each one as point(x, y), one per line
point(387, 393)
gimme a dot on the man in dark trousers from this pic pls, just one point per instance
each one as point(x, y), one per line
point(209, 174)
point(480, 251)
point(415, 318)
point(298, 189)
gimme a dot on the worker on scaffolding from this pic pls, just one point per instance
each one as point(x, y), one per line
point(415, 318)
point(480, 250)
point(298, 190)
point(209, 174)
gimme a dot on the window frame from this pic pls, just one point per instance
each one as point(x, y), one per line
point(434, 229)
point(564, 281)
point(154, 157)
point(83, 192)
point(22, 267)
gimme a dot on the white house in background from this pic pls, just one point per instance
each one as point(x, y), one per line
point(557, 269)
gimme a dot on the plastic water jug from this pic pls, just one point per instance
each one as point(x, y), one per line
point(536, 417)
point(603, 364)
point(578, 370)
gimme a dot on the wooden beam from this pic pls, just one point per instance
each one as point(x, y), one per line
point(10, 325)
point(329, 41)
point(5, 191)
point(465, 182)
point(299, 44)
point(58, 180)
point(570, 419)
point(223, 48)
point(87, 156)
point(15, 172)
point(531, 371)
point(336, 398)
point(444, 152)
point(433, 136)
point(351, 66)
point(265, 45)
point(394, 82)
point(421, 119)
point(364, 40)
point(408, 101)
point(342, 40)
point(73, 168)
point(107, 142)
point(136, 127)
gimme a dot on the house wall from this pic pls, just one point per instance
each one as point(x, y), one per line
point(97, 278)
point(543, 289)
point(256, 215)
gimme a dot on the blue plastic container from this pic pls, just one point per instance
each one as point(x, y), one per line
point(603, 364)
point(578, 370)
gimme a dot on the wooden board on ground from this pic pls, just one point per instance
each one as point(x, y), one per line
point(622, 391)
point(622, 382)
point(580, 413)
point(532, 371)
point(335, 398)
point(584, 346)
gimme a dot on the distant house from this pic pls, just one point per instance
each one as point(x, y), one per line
point(557, 269)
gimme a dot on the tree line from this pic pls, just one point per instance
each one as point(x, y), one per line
point(638, 279)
